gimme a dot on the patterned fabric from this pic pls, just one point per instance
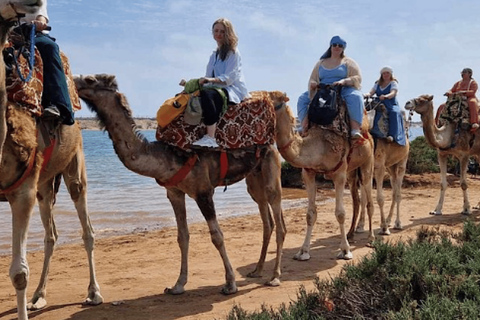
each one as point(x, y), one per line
point(251, 122)
point(29, 94)
point(456, 111)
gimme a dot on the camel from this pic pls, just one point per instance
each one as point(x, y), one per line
point(461, 145)
point(259, 166)
point(325, 151)
point(23, 179)
point(393, 158)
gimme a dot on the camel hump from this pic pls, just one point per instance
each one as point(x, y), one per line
point(251, 122)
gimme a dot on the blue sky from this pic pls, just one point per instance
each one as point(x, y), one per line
point(151, 44)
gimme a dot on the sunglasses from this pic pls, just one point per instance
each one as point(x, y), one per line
point(337, 45)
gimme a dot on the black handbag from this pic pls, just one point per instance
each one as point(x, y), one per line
point(323, 108)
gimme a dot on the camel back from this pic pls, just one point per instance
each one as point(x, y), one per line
point(29, 94)
point(251, 122)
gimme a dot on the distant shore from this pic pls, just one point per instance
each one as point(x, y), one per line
point(142, 123)
point(151, 123)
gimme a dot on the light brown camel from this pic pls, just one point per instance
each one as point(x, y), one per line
point(461, 145)
point(390, 157)
point(20, 150)
point(260, 166)
point(325, 151)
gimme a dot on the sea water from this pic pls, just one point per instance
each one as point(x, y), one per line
point(121, 201)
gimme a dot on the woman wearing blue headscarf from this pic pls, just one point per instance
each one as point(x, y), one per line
point(337, 69)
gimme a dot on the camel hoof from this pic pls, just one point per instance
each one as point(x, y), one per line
point(398, 226)
point(39, 304)
point(229, 289)
point(302, 256)
point(174, 291)
point(466, 212)
point(254, 274)
point(93, 299)
point(384, 232)
point(435, 213)
point(360, 230)
point(345, 255)
point(275, 282)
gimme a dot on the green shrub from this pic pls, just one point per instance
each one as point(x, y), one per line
point(435, 276)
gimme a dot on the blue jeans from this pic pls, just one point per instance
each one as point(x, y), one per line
point(55, 89)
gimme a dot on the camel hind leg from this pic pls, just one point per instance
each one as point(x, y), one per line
point(265, 188)
point(75, 177)
point(45, 197)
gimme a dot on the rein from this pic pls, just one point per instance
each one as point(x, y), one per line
point(31, 61)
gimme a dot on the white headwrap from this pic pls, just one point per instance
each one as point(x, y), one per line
point(386, 69)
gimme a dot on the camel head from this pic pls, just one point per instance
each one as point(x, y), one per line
point(421, 105)
point(11, 9)
point(98, 92)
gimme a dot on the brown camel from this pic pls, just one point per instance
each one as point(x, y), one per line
point(23, 180)
point(325, 151)
point(260, 166)
point(461, 145)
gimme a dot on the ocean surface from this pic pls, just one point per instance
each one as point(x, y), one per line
point(123, 202)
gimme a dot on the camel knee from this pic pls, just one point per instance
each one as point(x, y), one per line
point(311, 217)
point(19, 276)
point(464, 186)
point(340, 217)
point(76, 189)
point(217, 238)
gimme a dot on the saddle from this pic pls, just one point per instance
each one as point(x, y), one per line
point(374, 108)
point(249, 123)
point(340, 122)
point(28, 94)
point(456, 111)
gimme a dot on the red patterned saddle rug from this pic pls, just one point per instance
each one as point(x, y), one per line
point(251, 122)
point(28, 95)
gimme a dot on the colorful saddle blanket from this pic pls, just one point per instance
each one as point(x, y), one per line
point(456, 111)
point(29, 94)
point(251, 122)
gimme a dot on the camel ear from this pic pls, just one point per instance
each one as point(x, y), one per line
point(430, 97)
point(285, 98)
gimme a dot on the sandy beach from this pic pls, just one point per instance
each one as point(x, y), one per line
point(133, 270)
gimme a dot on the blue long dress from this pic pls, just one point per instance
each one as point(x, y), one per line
point(395, 120)
point(352, 96)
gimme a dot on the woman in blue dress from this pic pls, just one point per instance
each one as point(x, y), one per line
point(335, 68)
point(386, 88)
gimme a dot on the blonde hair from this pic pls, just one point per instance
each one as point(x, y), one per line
point(231, 39)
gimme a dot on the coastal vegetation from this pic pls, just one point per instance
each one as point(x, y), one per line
point(434, 276)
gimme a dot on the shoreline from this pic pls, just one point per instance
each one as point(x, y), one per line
point(134, 269)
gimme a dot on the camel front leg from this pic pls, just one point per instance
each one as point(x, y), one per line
point(309, 179)
point(205, 203)
point(463, 183)
point(339, 181)
point(22, 208)
point(177, 199)
point(358, 205)
point(396, 178)
point(45, 196)
point(442, 161)
point(384, 222)
point(75, 177)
